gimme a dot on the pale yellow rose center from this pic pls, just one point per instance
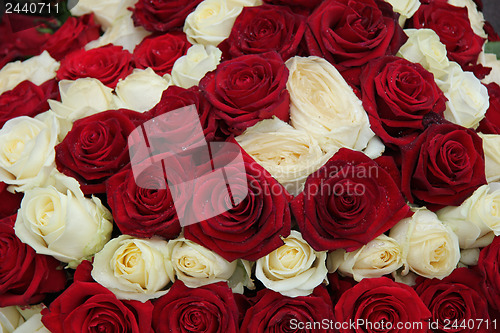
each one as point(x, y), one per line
point(130, 265)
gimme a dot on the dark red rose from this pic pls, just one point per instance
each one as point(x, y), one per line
point(211, 308)
point(337, 285)
point(443, 166)
point(252, 228)
point(10, 201)
point(490, 31)
point(348, 202)
point(491, 123)
point(456, 299)
point(396, 95)
point(161, 15)
point(86, 306)
point(73, 35)
point(25, 276)
point(489, 266)
point(96, 148)
point(351, 33)
point(108, 64)
point(453, 27)
point(384, 302)
point(262, 29)
point(26, 99)
point(247, 89)
point(308, 4)
point(160, 52)
point(273, 312)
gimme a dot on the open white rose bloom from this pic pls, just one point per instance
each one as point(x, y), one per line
point(294, 269)
point(189, 69)
point(132, 268)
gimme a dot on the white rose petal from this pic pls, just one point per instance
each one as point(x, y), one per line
point(63, 223)
point(476, 18)
point(141, 90)
point(37, 69)
point(25, 319)
point(490, 60)
point(105, 11)
point(294, 269)
point(189, 69)
point(491, 147)
point(27, 154)
point(10, 319)
point(132, 268)
point(325, 106)
point(406, 8)
point(430, 248)
point(381, 256)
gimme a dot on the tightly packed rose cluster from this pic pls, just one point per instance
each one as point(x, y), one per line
point(365, 196)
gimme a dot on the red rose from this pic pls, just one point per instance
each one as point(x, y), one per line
point(308, 4)
point(26, 99)
point(491, 123)
point(453, 27)
point(211, 308)
point(25, 277)
point(443, 166)
point(381, 301)
point(254, 227)
point(489, 266)
point(348, 202)
point(396, 95)
point(456, 299)
point(96, 148)
point(273, 312)
point(160, 52)
point(10, 201)
point(160, 15)
point(74, 34)
point(247, 89)
point(107, 63)
point(262, 29)
point(351, 33)
point(87, 306)
point(176, 97)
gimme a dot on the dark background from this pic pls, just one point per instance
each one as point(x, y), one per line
point(491, 11)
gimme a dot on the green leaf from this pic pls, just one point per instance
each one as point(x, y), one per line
point(493, 47)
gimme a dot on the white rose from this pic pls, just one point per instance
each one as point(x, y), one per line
point(26, 319)
point(490, 60)
point(59, 221)
point(36, 69)
point(212, 20)
point(27, 154)
point(122, 32)
point(406, 8)
point(476, 18)
point(141, 90)
point(430, 248)
point(133, 268)
point(469, 257)
point(290, 155)
point(424, 47)
point(477, 220)
point(325, 106)
point(189, 69)
point(105, 11)
point(294, 269)
point(468, 99)
point(379, 257)
point(197, 266)
point(10, 319)
point(491, 147)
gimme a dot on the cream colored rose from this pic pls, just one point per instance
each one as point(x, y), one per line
point(430, 248)
point(491, 147)
point(141, 90)
point(25, 319)
point(490, 60)
point(290, 155)
point(59, 221)
point(36, 69)
point(294, 269)
point(198, 61)
point(476, 18)
point(105, 11)
point(212, 20)
point(325, 106)
point(477, 220)
point(27, 150)
point(424, 47)
point(197, 266)
point(122, 32)
point(379, 257)
point(468, 99)
point(132, 268)
point(406, 8)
